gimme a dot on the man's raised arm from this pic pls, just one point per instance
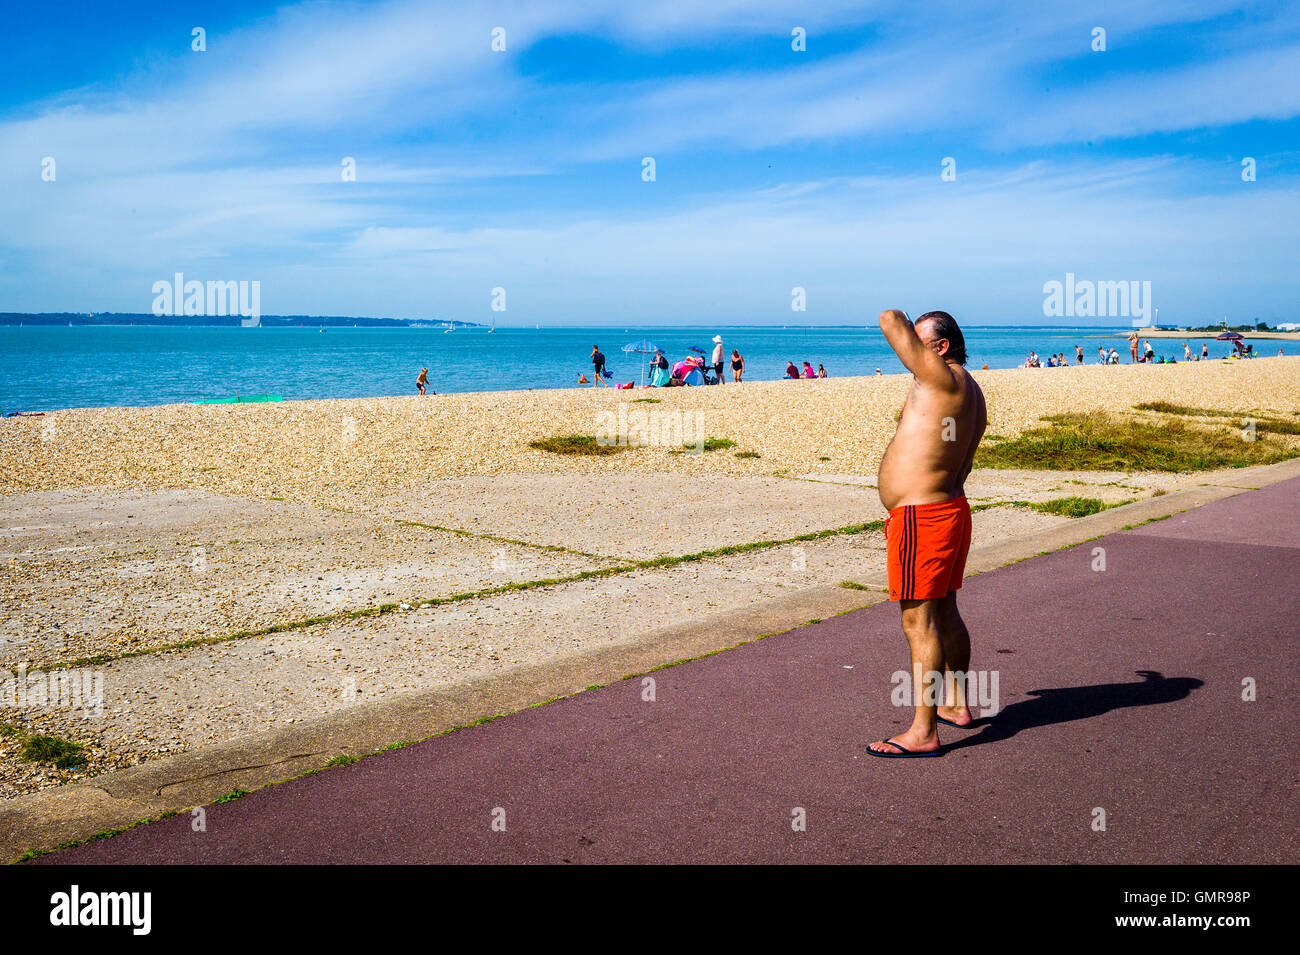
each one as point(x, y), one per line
point(915, 354)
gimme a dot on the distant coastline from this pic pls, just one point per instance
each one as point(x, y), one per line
point(274, 321)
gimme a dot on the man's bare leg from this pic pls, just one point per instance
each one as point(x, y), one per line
point(921, 627)
point(956, 656)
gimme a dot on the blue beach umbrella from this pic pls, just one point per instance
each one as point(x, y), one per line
point(643, 347)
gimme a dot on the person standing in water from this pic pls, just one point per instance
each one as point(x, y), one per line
point(737, 365)
point(922, 485)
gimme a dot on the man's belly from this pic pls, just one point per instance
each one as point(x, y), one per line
point(914, 479)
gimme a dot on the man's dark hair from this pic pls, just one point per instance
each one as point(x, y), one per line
point(945, 326)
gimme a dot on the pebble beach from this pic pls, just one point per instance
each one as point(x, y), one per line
point(344, 451)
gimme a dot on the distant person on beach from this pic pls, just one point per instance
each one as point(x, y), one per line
point(1133, 347)
point(1101, 353)
point(598, 362)
point(877, 371)
point(808, 372)
point(1078, 354)
point(1187, 352)
point(1114, 356)
point(737, 365)
point(1205, 351)
point(422, 382)
point(1149, 354)
point(927, 536)
point(717, 359)
point(792, 371)
point(821, 371)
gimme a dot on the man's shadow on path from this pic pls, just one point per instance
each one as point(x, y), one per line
point(1066, 704)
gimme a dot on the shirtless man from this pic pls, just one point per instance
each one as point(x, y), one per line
point(922, 484)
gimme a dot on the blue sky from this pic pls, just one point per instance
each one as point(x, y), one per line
point(522, 169)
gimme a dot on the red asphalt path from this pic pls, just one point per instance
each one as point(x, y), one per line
point(1120, 690)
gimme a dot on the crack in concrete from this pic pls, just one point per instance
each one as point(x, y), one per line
point(222, 772)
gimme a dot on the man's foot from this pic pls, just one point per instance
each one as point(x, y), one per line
point(905, 744)
point(958, 716)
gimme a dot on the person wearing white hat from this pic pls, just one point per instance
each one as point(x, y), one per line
point(717, 358)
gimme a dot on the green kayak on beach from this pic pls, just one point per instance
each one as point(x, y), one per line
point(238, 399)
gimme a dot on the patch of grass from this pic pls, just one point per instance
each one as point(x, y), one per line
point(1263, 423)
point(710, 444)
point(584, 444)
point(991, 504)
point(1072, 506)
point(853, 585)
point(232, 795)
point(1149, 520)
point(1277, 426)
point(1166, 407)
point(823, 458)
point(1096, 441)
point(343, 760)
point(8, 730)
point(648, 401)
point(51, 749)
point(993, 437)
point(748, 454)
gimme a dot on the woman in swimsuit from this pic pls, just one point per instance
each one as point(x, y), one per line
point(737, 366)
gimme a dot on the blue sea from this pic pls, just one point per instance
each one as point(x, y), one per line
point(45, 368)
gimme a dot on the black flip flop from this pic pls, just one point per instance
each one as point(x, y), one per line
point(968, 726)
point(904, 753)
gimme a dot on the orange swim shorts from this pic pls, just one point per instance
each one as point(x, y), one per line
point(926, 547)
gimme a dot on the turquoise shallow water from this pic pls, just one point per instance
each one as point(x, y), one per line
point(45, 368)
